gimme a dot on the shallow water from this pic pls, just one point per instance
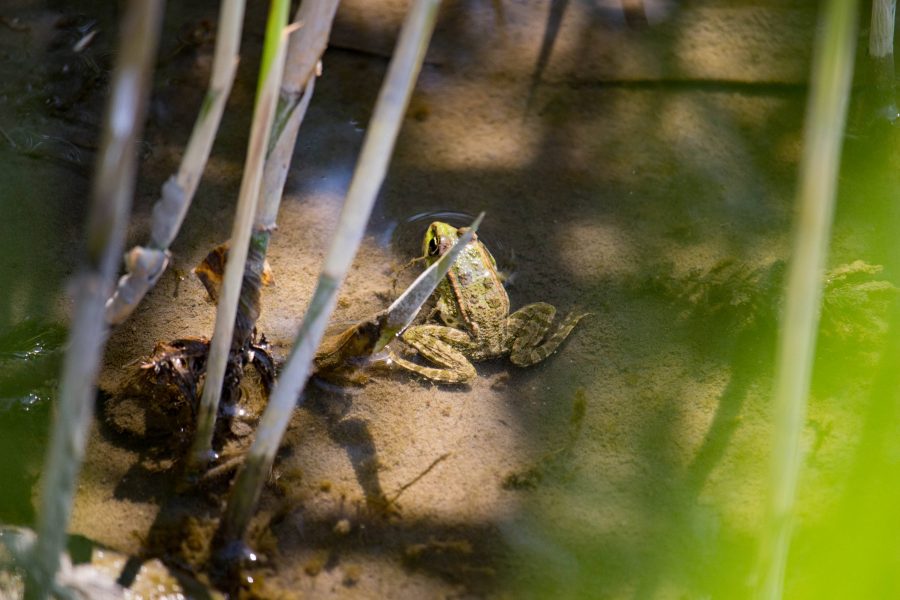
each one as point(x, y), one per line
point(618, 178)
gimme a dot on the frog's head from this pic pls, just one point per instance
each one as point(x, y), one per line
point(439, 238)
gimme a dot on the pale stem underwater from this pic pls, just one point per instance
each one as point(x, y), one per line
point(832, 73)
point(110, 205)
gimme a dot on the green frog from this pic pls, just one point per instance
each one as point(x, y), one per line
point(474, 307)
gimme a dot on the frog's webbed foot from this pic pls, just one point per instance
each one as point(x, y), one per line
point(529, 325)
point(441, 346)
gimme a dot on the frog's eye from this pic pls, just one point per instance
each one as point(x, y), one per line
point(432, 246)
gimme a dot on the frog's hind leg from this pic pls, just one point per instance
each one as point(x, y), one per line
point(441, 346)
point(529, 326)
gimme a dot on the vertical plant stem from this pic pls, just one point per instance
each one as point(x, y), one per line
point(271, 69)
point(832, 72)
point(146, 265)
point(110, 205)
point(225, 59)
point(881, 33)
point(297, 85)
point(881, 54)
point(304, 51)
point(367, 179)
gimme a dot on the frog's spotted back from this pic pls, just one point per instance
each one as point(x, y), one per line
point(474, 307)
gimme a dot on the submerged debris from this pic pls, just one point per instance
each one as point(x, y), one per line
point(159, 401)
point(730, 293)
point(342, 358)
point(211, 270)
point(455, 558)
point(854, 305)
point(737, 297)
point(100, 574)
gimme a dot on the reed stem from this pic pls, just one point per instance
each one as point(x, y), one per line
point(304, 51)
point(881, 33)
point(377, 148)
point(881, 55)
point(832, 72)
point(110, 206)
point(297, 85)
point(147, 264)
point(271, 70)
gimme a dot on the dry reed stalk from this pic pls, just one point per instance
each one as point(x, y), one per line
point(145, 265)
point(110, 205)
point(304, 52)
point(297, 84)
point(881, 53)
point(377, 148)
point(881, 33)
point(272, 67)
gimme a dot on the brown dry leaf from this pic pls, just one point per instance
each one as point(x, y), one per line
point(211, 271)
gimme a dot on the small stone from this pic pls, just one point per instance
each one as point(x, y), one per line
point(342, 527)
point(315, 564)
point(500, 381)
point(351, 575)
point(240, 428)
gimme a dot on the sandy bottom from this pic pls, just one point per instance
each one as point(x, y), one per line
point(407, 489)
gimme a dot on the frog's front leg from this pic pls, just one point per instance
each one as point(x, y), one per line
point(442, 346)
point(527, 328)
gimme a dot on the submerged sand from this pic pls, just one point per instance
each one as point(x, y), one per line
point(600, 153)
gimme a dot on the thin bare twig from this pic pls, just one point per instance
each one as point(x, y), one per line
point(418, 477)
